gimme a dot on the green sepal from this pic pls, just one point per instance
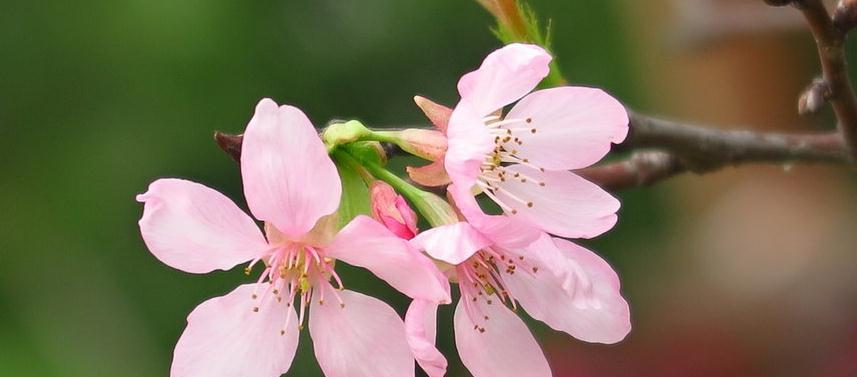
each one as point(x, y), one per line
point(355, 192)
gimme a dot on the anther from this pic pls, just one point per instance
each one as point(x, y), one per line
point(253, 296)
point(533, 130)
point(530, 120)
point(255, 309)
point(530, 204)
point(282, 332)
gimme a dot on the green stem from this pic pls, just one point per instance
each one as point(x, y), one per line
point(434, 209)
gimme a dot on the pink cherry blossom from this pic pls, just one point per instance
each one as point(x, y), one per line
point(292, 185)
point(499, 265)
point(521, 160)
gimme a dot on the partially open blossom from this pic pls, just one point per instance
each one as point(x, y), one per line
point(291, 184)
point(520, 160)
point(392, 210)
point(500, 265)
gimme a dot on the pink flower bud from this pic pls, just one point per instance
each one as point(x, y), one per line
point(392, 210)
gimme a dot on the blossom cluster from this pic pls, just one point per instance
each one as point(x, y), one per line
point(504, 257)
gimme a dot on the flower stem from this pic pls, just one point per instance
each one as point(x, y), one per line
point(433, 208)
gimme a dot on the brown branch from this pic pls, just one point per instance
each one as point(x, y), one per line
point(830, 40)
point(710, 146)
point(639, 170)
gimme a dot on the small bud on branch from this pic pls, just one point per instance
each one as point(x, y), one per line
point(814, 97)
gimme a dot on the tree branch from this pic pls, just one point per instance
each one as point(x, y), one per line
point(830, 41)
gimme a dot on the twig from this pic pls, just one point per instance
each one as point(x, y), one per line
point(639, 170)
point(830, 41)
point(709, 147)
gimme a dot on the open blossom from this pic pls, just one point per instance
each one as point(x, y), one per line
point(291, 184)
point(499, 265)
point(520, 160)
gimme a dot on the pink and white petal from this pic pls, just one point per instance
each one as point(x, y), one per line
point(567, 205)
point(505, 231)
point(573, 291)
point(574, 126)
point(421, 330)
point(505, 349)
point(468, 144)
point(363, 338)
point(366, 243)
point(506, 75)
point(289, 180)
point(431, 175)
point(194, 228)
point(451, 243)
point(225, 337)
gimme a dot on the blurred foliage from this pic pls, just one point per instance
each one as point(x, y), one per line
point(97, 99)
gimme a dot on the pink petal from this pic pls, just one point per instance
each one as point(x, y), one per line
point(366, 243)
point(452, 243)
point(574, 291)
point(225, 337)
point(365, 338)
point(574, 126)
point(505, 231)
point(289, 179)
point(196, 229)
point(431, 175)
point(505, 349)
point(421, 329)
point(505, 75)
point(468, 144)
point(567, 205)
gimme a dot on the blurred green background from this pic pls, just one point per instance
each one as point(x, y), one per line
point(97, 99)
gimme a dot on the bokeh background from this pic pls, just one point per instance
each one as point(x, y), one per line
point(748, 271)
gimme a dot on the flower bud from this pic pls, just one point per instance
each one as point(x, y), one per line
point(343, 133)
point(392, 210)
point(845, 15)
point(814, 97)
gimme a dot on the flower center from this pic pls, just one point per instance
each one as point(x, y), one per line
point(292, 270)
point(479, 279)
point(508, 134)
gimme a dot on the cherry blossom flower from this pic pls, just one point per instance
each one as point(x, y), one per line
point(500, 266)
point(521, 160)
point(292, 185)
